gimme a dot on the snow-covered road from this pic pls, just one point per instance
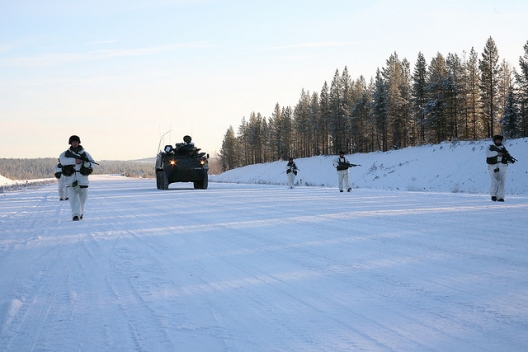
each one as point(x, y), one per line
point(262, 268)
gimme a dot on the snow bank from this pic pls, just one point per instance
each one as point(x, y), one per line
point(447, 167)
point(4, 181)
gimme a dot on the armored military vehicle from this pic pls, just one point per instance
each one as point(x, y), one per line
point(182, 163)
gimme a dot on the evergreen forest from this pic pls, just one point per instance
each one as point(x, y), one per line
point(41, 168)
point(467, 97)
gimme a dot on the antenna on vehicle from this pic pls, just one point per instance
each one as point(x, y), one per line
point(161, 138)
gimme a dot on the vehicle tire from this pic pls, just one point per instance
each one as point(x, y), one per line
point(165, 184)
point(205, 182)
point(159, 179)
point(202, 184)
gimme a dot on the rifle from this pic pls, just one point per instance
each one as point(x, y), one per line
point(351, 165)
point(70, 154)
point(294, 169)
point(347, 164)
point(505, 154)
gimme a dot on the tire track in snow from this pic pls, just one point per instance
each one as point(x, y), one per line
point(285, 285)
point(125, 260)
point(27, 231)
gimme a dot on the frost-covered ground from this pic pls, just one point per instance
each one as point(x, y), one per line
point(259, 267)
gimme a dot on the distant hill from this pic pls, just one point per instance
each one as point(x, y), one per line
point(151, 160)
point(42, 168)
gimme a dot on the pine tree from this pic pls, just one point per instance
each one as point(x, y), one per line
point(255, 138)
point(265, 144)
point(379, 111)
point(396, 78)
point(324, 106)
point(489, 77)
point(418, 95)
point(301, 115)
point(522, 81)
point(409, 130)
point(504, 84)
point(314, 120)
point(437, 94)
point(243, 143)
point(360, 116)
point(473, 125)
point(274, 125)
point(346, 104)
point(456, 96)
point(287, 133)
point(511, 117)
point(229, 151)
point(336, 117)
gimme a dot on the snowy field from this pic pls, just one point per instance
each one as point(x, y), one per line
point(242, 267)
point(415, 258)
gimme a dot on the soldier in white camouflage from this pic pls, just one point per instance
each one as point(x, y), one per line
point(291, 172)
point(498, 158)
point(77, 165)
point(61, 181)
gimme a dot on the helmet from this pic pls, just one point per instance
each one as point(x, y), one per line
point(74, 138)
point(497, 136)
point(187, 139)
point(341, 152)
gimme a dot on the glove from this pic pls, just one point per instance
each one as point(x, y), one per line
point(87, 164)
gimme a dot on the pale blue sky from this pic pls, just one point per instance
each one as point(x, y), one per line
point(121, 73)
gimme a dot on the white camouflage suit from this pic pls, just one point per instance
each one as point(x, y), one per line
point(497, 169)
point(342, 175)
point(77, 194)
point(62, 183)
point(291, 171)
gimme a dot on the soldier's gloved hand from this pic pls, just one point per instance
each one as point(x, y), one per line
point(87, 164)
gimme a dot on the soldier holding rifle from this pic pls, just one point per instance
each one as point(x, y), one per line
point(342, 164)
point(498, 158)
point(77, 164)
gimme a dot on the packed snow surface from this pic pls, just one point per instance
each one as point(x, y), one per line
point(260, 267)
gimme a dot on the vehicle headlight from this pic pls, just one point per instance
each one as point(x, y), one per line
point(172, 162)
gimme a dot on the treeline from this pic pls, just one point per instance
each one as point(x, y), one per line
point(31, 169)
point(449, 98)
